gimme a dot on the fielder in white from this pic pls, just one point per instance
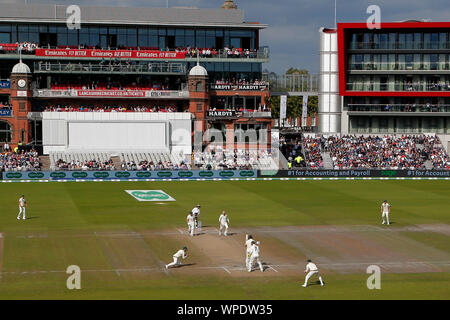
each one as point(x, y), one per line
point(223, 223)
point(255, 257)
point(248, 253)
point(311, 269)
point(191, 223)
point(385, 210)
point(177, 257)
point(22, 207)
point(196, 213)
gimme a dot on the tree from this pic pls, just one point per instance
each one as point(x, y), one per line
point(296, 71)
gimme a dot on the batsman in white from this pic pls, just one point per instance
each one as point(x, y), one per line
point(248, 252)
point(196, 213)
point(177, 256)
point(223, 221)
point(191, 223)
point(311, 269)
point(385, 210)
point(255, 257)
point(22, 207)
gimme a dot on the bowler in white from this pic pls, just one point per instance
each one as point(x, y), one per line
point(223, 223)
point(180, 254)
point(196, 213)
point(311, 269)
point(385, 210)
point(22, 207)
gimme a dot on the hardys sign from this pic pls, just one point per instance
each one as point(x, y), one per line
point(125, 175)
point(220, 114)
point(150, 195)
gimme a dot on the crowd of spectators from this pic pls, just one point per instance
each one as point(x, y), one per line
point(145, 165)
point(25, 47)
point(84, 165)
point(108, 85)
point(291, 148)
point(211, 52)
point(436, 153)
point(235, 82)
point(237, 159)
point(20, 161)
point(112, 108)
point(384, 152)
point(312, 152)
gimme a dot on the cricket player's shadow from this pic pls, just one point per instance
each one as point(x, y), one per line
point(35, 217)
point(185, 265)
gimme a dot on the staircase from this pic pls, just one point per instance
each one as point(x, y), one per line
point(45, 163)
point(327, 162)
point(428, 165)
point(116, 161)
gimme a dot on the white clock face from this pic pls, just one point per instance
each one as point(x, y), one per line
point(21, 83)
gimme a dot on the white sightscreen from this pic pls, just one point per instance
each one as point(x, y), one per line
point(117, 135)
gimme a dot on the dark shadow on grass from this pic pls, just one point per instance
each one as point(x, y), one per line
point(35, 217)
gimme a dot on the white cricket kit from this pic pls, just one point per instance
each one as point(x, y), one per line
point(385, 212)
point(22, 209)
point(224, 221)
point(312, 269)
point(254, 256)
point(248, 244)
point(176, 258)
point(191, 224)
point(195, 212)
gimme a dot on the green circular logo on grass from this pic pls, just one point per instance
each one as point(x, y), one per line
point(150, 195)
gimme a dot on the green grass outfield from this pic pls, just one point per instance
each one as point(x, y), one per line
point(56, 209)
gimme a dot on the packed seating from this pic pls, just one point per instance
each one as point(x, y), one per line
point(80, 161)
point(21, 161)
point(146, 161)
point(234, 82)
point(385, 152)
point(312, 152)
point(238, 159)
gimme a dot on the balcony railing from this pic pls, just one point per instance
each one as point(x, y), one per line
point(398, 108)
point(87, 93)
point(153, 67)
point(436, 45)
point(400, 66)
point(422, 87)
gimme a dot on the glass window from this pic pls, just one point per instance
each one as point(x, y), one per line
point(418, 41)
point(23, 28)
point(170, 32)
point(443, 40)
point(131, 31)
point(5, 27)
point(5, 37)
point(383, 40)
point(162, 31)
point(112, 30)
point(401, 41)
point(392, 40)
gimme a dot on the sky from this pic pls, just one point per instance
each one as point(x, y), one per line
point(292, 34)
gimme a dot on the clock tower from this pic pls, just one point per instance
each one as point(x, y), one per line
point(20, 98)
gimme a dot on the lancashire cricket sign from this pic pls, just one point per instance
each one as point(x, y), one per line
point(150, 195)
